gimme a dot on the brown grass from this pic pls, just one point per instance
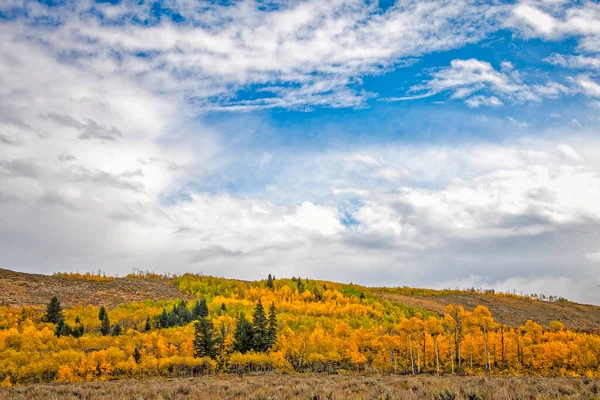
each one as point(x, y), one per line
point(317, 387)
point(21, 289)
point(516, 311)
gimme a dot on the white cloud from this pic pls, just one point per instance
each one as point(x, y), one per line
point(478, 101)
point(301, 54)
point(463, 78)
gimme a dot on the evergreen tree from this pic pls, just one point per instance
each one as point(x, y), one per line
point(200, 309)
point(223, 308)
point(183, 313)
point(203, 308)
point(242, 336)
point(147, 327)
point(260, 339)
point(117, 330)
point(172, 319)
point(272, 326)
point(60, 328)
point(53, 311)
point(79, 331)
point(105, 325)
point(136, 355)
point(270, 282)
point(101, 313)
point(163, 320)
point(362, 296)
point(205, 339)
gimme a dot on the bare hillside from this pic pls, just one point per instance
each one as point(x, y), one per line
point(515, 310)
point(22, 289)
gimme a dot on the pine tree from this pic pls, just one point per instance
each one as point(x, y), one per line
point(223, 308)
point(270, 282)
point(200, 309)
point(101, 313)
point(79, 331)
point(183, 313)
point(163, 320)
point(53, 311)
point(272, 326)
point(137, 356)
point(260, 339)
point(203, 308)
point(147, 327)
point(117, 330)
point(105, 325)
point(242, 336)
point(60, 328)
point(205, 339)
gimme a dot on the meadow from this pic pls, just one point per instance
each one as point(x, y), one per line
point(317, 387)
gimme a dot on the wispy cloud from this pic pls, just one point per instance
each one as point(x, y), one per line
point(464, 78)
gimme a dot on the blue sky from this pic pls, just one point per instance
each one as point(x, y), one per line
point(432, 143)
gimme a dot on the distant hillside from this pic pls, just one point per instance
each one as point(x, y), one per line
point(515, 310)
point(21, 289)
point(278, 325)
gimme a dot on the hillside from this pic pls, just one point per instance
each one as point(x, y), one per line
point(21, 289)
point(193, 325)
point(514, 310)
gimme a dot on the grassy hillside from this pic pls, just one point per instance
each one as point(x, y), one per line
point(513, 310)
point(20, 289)
point(192, 324)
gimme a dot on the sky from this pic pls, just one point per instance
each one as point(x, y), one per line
point(428, 143)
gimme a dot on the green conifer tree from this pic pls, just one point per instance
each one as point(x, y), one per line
point(272, 326)
point(147, 327)
point(105, 325)
point(205, 338)
point(117, 330)
point(101, 313)
point(163, 320)
point(53, 311)
point(260, 339)
point(137, 357)
point(242, 335)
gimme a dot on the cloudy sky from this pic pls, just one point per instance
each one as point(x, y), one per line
point(441, 143)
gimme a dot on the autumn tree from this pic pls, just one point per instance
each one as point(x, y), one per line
point(434, 328)
point(205, 338)
point(455, 319)
point(482, 319)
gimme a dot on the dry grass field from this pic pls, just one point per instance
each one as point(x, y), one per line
point(515, 310)
point(317, 387)
point(22, 289)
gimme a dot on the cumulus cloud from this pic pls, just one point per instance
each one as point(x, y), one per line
point(104, 162)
